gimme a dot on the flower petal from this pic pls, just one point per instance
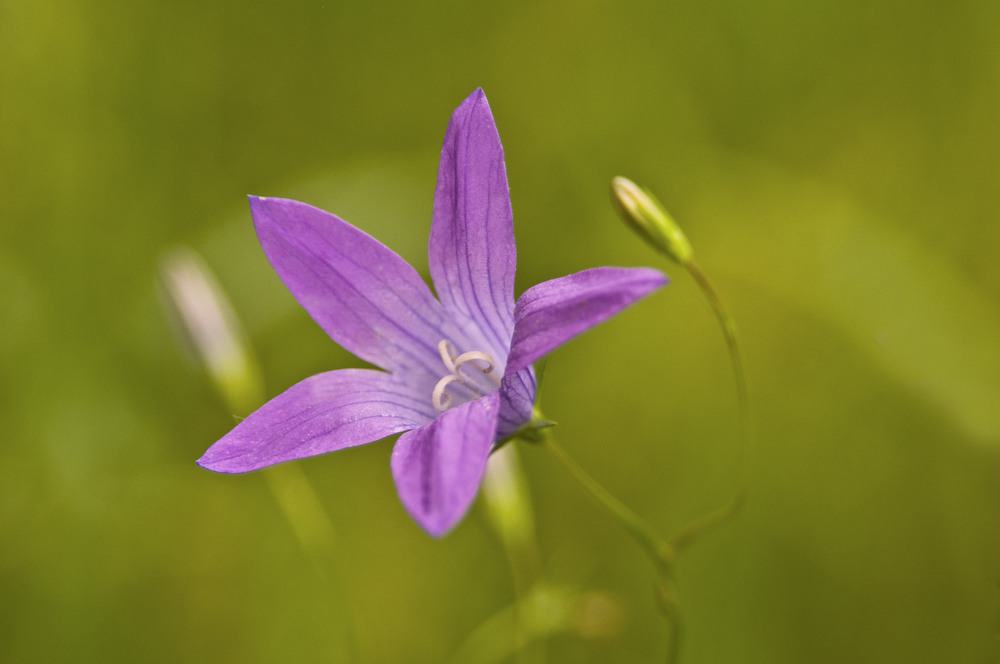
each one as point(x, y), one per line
point(367, 298)
point(553, 312)
point(438, 467)
point(517, 401)
point(471, 250)
point(324, 413)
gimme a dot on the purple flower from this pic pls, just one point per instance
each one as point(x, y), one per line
point(457, 368)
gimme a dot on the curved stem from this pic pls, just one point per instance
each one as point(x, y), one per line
point(733, 344)
point(657, 548)
point(664, 552)
point(669, 608)
point(689, 533)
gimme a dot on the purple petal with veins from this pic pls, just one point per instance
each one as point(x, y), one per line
point(324, 413)
point(471, 252)
point(553, 312)
point(438, 467)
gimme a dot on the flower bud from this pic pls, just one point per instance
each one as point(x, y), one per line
point(647, 217)
point(209, 327)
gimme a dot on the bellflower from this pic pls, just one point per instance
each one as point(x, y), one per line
point(457, 369)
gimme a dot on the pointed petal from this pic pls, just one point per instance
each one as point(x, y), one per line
point(553, 312)
point(471, 250)
point(438, 467)
point(324, 413)
point(367, 298)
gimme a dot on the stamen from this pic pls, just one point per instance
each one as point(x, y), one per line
point(475, 355)
point(441, 399)
point(482, 357)
point(448, 352)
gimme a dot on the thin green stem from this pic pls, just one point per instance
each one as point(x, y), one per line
point(644, 214)
point(669, 608)
point(729, 330)
point(657, 548)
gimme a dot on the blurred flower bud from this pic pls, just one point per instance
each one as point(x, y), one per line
point(647, 217)
point(210, 329)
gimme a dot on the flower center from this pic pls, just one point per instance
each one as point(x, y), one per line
point(458, 366)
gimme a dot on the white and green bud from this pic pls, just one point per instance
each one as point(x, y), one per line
point(647, 217)
point(209, 328)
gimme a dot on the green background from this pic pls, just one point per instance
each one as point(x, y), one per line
point(835, 165)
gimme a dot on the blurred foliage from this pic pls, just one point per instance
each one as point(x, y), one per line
point(834, 164)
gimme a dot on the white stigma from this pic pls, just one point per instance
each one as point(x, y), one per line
point(454, 363)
